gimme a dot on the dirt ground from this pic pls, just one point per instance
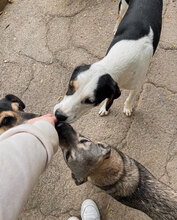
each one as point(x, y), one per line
point(41, 43)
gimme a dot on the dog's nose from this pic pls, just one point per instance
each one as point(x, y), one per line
point(60, 115)
point(66, 133)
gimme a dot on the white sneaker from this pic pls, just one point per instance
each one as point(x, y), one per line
point(89, 210)
point(73, 218)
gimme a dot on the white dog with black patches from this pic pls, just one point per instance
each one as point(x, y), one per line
point(124, 66)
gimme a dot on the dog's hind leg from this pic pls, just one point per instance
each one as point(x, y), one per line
point(123, 6)
point(139, 77)
point(128, 105)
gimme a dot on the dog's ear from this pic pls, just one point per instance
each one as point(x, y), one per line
point(13, 98)
point(106, 88)
point(105, 151)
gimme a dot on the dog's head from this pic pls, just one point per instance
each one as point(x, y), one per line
point(87, 88)
point(12, 112)
point(80, 154)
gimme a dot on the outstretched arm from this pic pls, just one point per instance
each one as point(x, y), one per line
point(25, 151)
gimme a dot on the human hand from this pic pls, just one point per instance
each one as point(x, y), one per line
point(49, 118)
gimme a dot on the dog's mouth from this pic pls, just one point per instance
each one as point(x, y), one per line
point(26, 116)
point(80, 181)
point(61, 117)
point(10, 119)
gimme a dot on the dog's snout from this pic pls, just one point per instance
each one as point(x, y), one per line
point(27, 116)
point(60, 115)
point(67, 135)
point(64, 129)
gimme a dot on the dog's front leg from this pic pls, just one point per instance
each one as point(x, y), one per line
point(104, 110)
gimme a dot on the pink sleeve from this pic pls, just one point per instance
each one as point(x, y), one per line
point(24, 152)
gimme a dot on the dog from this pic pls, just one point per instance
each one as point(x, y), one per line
point(124, 66)
point(126, 180)
point(12, 112)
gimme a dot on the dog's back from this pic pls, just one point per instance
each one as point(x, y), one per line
point(139, 18)
point(150, 196)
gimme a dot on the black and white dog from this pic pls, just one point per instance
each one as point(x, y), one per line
point(124, 66)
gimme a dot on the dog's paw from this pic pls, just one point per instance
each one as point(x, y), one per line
point(127, 111)
point(103, 111)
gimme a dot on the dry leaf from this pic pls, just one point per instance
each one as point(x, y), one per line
point(59, 97)
point(169, 181)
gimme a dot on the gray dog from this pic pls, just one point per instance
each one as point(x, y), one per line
point(122, 177)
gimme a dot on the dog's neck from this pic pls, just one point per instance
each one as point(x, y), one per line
point(108, 172)
point(116, 171)
point(101, 67)
point(108, 65)
point(131, 184)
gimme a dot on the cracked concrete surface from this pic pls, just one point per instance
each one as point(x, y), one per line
point(41, 43)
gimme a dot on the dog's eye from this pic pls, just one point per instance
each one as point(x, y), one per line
point(7, 120)
point(83, 141)
point(20, 108)
point(68, 154)
point(87, 101)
